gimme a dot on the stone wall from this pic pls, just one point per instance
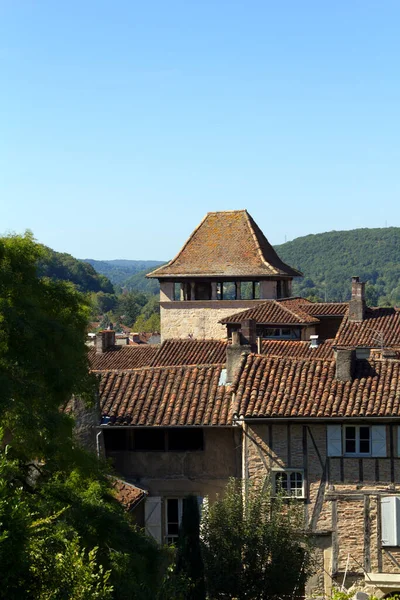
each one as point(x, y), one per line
point(343, 495)
point(199, 318)
point(204, 473)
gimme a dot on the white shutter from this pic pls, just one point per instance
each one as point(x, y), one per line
point(378, 440)
point(334, 440)
point(152, 517)
point(390, 516)
point(398, 440)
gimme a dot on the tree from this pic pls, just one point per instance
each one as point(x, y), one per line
point(62, 532)
point(253, 545)
point(189, 562)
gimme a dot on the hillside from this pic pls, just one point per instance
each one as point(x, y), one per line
point(118, 271)
point(329, 260)
point(65, 267)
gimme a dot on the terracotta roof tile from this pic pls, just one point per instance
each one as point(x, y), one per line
point(190, 352)
point(289, 311)
point(326, 309)
point(381, 327)
point(127, 494)
point(226, 244)
point(166, 396)
point(122, 357)
point(277, 387)
point(297, 349)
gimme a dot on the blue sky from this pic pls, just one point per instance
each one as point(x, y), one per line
point(122, 123)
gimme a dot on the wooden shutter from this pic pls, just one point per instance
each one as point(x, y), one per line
point(390, 517)
point(378, 440)
point(334, 440)
point(152, 518)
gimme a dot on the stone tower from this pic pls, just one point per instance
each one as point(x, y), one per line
point(226, 265)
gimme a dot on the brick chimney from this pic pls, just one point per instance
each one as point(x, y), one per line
point(104, 340)
point(248, 331)
point(357, 302)
point(345, 361)
point(234, 355)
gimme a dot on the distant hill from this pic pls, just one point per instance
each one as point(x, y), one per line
point(329, 260)
point(57, 265)
point(119, 271)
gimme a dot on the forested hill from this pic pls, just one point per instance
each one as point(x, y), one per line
point(57, 265)
point(118, 271)
point(329, 260)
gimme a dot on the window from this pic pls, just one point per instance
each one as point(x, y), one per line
point(149, 440)
point(185, 440)
point(278, 332)
point(173, 518)
point(357, 439)
point(289, 483)
point(153, 439)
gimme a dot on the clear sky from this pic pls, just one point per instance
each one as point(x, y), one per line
point(122, 123)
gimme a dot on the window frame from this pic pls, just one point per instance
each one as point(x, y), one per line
point(172, 538)
point(288, 472)
point(357, 453)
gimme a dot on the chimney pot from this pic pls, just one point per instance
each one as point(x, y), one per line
point(235, 338)
point(248, 331)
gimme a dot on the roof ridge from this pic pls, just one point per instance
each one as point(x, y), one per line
point(249, 220)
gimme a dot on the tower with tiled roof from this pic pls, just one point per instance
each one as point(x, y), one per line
point(226, 265)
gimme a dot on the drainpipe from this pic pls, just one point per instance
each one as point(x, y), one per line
point(98, 443)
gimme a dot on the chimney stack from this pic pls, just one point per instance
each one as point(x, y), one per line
point(248, 331)
point(234, 354)
point(345, 359)
point(104, 340)
point(357, 302)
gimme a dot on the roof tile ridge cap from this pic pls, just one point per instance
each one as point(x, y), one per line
point(293, 312)
point(249, 218)
point(244, 310)
point(171, 262)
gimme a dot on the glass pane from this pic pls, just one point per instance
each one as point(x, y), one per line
point(350, 446)
point(256, 290)
point(172, 510)
point(364, 446)
point(229, 290)
point(296, 480)
point(364, 433)
point(281, 482)
point(246, 288)
point(350, 433)
point(172, 529)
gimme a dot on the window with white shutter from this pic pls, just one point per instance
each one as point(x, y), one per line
point(378, 438)
point(334, 440)
point(390, 520)
point(152, 517)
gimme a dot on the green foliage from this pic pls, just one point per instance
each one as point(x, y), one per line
point(62, 533)
point(65, 267)
point(189, 561)
point(329, 260)
point(119, 271)
point(254, 549)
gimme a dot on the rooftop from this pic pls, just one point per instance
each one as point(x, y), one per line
point(226, 244)
point(292, 311)
point(380, 328)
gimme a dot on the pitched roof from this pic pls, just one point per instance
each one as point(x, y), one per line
point(288, 311)
point(226, 244)
point(190, 352)
point(283, 387)
point(381, 327)
point(297, 349)
point(127, 494)
point(326, 309)
point(122, 357)
point(166, 396)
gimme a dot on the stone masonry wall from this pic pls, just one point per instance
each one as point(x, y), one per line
point(199, 318)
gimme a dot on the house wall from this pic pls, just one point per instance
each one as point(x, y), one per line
point(199, 318)
point(204, 473)
point(342, 506)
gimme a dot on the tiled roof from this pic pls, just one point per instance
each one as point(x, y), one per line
point(326, 309)
point(297, 349)
point(122, 357)
point(275, 312)
point(226, 244)
point(282, 387)
point(381, 327)
point(127, 494)
point(166, 396)
point(190, 352)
